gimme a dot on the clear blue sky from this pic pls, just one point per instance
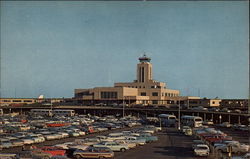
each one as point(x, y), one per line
point(51, 48)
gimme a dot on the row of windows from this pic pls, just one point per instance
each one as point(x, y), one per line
point(235, 102)
point(17, 101)
point(171, 94)
point(6, 100)
point(136, 87)
point(199, 102)
point(108, 94)
point(145, 94)
point(143, 86)
point(28, 101)
point(156, 94)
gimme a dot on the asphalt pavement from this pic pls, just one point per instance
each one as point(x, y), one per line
point(171, 145)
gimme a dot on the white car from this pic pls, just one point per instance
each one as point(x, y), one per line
point(38, 138)
point(114, 146)
point(81, 133)
point(133, 139)
point(64, 146)
point(27, 140)
point(64, 134)
point(126, 142)
point(87, 141)
point(201, 150)
point(113, 138)
point(148, 130)
point(236, 148)
point(50, 137)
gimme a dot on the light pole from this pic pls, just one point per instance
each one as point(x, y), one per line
point(220, 118)
point(123, 107)
point(51, 106)
point(179, 116)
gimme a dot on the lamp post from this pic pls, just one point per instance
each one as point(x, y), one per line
point(220, 118)
point(123, 107)
point(51, 106)
point(179, 116)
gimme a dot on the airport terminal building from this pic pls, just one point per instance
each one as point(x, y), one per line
point(144, 90)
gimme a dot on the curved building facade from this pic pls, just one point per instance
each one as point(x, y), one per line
point(144, 90)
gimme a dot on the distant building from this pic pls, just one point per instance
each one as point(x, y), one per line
point(26, 101)
point(144, 90)
point(204, 102)
point(17, 101)
point(234, 103)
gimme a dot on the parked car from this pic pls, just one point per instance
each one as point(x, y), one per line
point(225, 110)
point(8, 156)
point(125, 142)
point(17, 142)
point(94, 152)
point(237, 111)
point(87, 141)
point(148, 137)
point(208, 122)
point(53, 150)
point(27, 140)
point(197, 142)
point(185, 128)
point(39, 154)
point(236, 148)
point(114, 146)
point(199, 108)
point(5, 143)
point(225, 125)
point(201, 150)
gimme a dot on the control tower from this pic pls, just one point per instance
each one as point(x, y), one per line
point(144, 70)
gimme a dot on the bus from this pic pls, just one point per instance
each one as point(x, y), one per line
point(49, 112)
point(167, 120)
point(191, 121)
point(64, 112)
point(42, 112)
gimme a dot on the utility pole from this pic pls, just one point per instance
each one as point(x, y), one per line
point(51, 107)
point(179, 116)
point(123, 107)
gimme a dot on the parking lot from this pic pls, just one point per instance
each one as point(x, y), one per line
point(171, 145)
point(171, 142)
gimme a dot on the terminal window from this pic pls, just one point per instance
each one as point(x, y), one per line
point(27, 100)
point(108, 94)
point(154, 102)
point(155, 94)
point(17, 101)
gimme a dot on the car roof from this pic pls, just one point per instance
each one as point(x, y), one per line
point(201, 145)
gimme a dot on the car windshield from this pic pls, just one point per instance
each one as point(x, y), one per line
point(202, 148)
point(197, 119)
